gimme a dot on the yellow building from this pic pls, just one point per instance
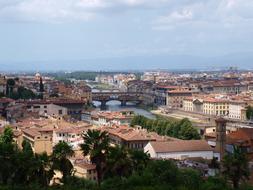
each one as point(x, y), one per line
point(40, 139)
point(215, 106)
point(208, 105)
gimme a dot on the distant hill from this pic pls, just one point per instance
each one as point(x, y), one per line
point(168, 62)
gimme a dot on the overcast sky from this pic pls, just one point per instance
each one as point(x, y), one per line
point(50, 30)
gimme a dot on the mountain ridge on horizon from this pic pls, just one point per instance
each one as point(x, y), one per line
point(156, 62)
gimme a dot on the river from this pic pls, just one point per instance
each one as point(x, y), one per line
point(116, 106)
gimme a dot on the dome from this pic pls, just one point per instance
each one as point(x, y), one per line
point(37, 75)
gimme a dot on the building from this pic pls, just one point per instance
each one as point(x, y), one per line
point(4, 103)
point(217, 105)
point(85, 170)
point(40, 139)
point(179, 150)
point(237, 110)
point(15, 112)
point(242, 138)
point(175, 98)
point(47, 109)
point(73, 107)
point(229, 86)
point(108, 118)
point(71, 135)
point(144, 88)
point(161, 94)
point(2, 85)
point(133, 138)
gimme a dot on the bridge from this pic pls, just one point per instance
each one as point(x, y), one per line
point(123, 97)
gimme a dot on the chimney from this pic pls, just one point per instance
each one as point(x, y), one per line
point(221, 136)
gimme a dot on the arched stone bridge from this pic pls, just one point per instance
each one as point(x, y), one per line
point(123, 97)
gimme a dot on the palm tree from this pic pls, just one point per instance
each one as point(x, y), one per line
point(96, 145)
point(235, 167)
point(118, 162)
point(61, 152)
point(44, 170)
point(139, 159)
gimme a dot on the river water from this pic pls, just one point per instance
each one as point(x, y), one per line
point(116, 106)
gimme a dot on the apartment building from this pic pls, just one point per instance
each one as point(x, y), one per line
point(133, 138)
point(176, 97)
point(47, 109)
point(237, 110)
point(227, 106)
point(40, 139)
point(71, 135)
point(109, 118)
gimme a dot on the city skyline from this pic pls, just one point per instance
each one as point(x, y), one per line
point(125, 34)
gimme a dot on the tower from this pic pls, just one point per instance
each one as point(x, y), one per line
point(221, 136)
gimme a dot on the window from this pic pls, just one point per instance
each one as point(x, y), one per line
point(45, 106)
point(60, 112)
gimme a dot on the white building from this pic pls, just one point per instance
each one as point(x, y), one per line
point(179, 150)
point(71, 135)
point(48, 109)
point(237, 110)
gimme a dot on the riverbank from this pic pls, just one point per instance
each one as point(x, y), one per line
point(148, 108)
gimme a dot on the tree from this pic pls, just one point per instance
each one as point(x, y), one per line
point(118, 162)
point(9, 87)
point(7, 136)
point(139, 159)
point(24, 164)
point(44, 170)
point(182, 129)
point(235, 166)
point(249, 112)
point(96, 145)
point(61, 152)
point(7, 155)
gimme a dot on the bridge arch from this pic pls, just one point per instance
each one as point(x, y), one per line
point(123, 97)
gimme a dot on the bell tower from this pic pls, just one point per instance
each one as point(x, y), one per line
point(221, 136)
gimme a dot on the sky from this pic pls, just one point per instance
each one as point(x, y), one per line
point(125, 34)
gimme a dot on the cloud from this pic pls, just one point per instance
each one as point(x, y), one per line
point(65, 10)
point(212, 12)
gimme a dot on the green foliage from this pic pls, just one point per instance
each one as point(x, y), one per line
point(22, 93)
point(97, 146)
point(61, 152)
point(83, 75)
point(22, 167)
point(7, 136)
point(124, 169)
point(214, 183)
point(249, 112)
point(236, 167)
point(123, 162)
point(179, 129)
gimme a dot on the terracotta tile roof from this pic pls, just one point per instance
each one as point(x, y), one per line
point(181, 146)
point(242, 136)
point(133, 134)
point(76, 130)
point(6, 100)
point(31, 132)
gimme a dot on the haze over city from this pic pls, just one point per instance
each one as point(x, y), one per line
point(125, 34)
